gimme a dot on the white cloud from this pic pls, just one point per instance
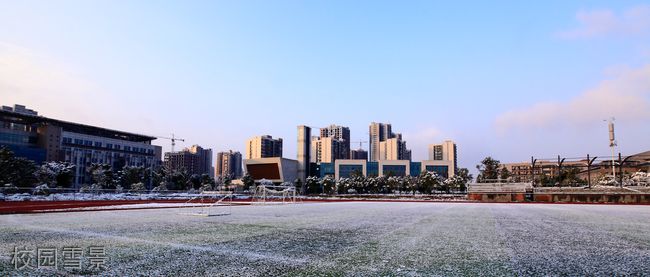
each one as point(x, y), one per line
point(625, 96)
point(597, 23)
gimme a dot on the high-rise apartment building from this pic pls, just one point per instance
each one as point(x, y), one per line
point(445, 151)
point(303, 153)
point(194, 160)
point(378, 132)
point(263, 147)
point(326, 150)
point(333, 144)
point(394, 149)
point(342, 134)
point(229, 164)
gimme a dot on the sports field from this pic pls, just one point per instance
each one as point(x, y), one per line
point(350, 238)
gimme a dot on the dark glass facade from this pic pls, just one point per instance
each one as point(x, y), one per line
point(372, 169)
point(31, 153)
point(394, 170)
point(347, 170)
point(441, 170)
point(416, 168)
point(326, 169)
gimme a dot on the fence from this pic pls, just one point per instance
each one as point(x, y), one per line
point(579, 170)
point(27, 193)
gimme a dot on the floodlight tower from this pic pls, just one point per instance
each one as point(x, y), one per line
point(612, 143)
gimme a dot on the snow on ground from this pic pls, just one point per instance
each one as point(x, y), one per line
point(350, 238)
point(109, 196)
point(143, 206)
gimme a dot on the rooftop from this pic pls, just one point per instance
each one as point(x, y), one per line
point(75, 127)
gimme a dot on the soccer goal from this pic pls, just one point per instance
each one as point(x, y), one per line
point(211, 203)
point(272, 194)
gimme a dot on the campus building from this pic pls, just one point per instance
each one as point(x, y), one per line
point(348, 168)
point(263, 147)
point(229, 164)
point(275, 169)
point(43, 139)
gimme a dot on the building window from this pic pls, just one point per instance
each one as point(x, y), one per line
point(441, 170)
point(348, 170)
point(394, 170)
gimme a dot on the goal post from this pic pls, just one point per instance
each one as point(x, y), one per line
point(274, 194)
point(211, 207)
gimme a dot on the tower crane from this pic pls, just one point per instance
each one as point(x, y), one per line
point(361, 142)
point(173, 139)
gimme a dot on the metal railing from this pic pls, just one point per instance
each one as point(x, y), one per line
point(53, 194)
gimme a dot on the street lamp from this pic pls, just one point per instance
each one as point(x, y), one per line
point(612, 142)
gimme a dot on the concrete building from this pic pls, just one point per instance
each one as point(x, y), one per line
point(378, 132)
point(263, 147)
point(326, 150)
point(44, 139)
point(340, 133)
point(347, 168)
point(359, 154)
point(445, 151)
point(276, 169)
point(395, 168)
point(443, 168)
point(195, 160)
point(229, 164)
point(303, 153)
point(394, 149)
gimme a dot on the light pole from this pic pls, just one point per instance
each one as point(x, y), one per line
point(612, 143)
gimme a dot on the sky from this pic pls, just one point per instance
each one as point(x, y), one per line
point(507, 79)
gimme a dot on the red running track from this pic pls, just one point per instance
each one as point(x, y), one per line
point(21, 207)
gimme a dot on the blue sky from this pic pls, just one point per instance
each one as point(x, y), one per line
point(509, 79)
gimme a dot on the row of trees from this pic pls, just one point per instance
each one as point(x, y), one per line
point(425, 183)
point(23, 173)
point(20, 172)
point(160, 179)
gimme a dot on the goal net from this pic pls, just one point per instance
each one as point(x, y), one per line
point(272, 194)
point(211, 203)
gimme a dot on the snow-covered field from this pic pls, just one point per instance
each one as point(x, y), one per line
point(349, 238)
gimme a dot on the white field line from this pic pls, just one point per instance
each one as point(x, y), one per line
point(216, 250)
